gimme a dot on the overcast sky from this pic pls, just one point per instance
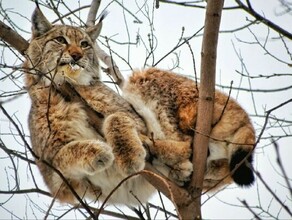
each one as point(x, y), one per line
point(168, 23)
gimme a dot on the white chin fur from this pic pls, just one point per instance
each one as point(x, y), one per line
point(83, 78)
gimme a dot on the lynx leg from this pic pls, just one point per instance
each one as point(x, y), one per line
point(174, 154)
point(168, 151)
point(80, 158)
point(217, 175)
point(121, 134)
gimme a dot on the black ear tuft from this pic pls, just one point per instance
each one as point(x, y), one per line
point(40, 24)
point(103, 15)
point(243, 176)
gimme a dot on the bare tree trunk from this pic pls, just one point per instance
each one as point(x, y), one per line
point(205, 107)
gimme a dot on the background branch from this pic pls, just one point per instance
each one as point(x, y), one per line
point(92, 13)
point(12, 38)
point(261, 18)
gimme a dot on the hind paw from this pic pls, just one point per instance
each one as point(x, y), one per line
point(181, 172)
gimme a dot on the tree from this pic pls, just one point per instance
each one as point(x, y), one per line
point(273, 129)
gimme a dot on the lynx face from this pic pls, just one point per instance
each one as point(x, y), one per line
point(62, 53)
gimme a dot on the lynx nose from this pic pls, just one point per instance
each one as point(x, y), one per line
point(75, 52)
point(76, 55)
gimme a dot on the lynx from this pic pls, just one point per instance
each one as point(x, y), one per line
point(168, 104)
point(94, 158)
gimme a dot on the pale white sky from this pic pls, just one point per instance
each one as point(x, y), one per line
point(168, 23)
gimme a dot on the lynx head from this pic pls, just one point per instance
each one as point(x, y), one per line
point(61, 53)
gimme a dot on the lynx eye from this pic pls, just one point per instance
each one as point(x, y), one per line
point(84, 44)
point(61, 40)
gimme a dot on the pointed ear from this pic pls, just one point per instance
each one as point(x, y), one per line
point(95, 30)
point(40, 24)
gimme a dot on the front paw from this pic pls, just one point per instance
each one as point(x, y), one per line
point(99, 159)
point(181, 172)
point(132, 162)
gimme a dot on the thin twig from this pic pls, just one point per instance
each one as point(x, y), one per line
point(137, 20)
point(194, 64)
point(249, 208)
point(179, 45)
point(256, 90)
point(279, 161)
point(45, 162)
point(267, 118)
point(225, 105)
point(272, 192)
point(264, 20)
point(26, 191)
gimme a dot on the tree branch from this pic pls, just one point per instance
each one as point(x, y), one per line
point(264, 20)
point(206, 99)
point(193, 4)
point(26, 191)
point(92, 12)
point(112, 68)
point(12, 38)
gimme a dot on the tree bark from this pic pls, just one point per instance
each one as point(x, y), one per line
point(205, 107)
point(12, 38)
point(94, 6)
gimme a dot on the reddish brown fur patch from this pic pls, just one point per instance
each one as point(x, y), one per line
point(220, 170)
point(74, 50)
point(231, 124)
point(188, 116)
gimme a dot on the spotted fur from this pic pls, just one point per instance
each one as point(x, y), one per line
point(95, 158)
point(92, 161)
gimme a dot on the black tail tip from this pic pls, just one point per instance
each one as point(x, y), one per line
point(244, 175)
